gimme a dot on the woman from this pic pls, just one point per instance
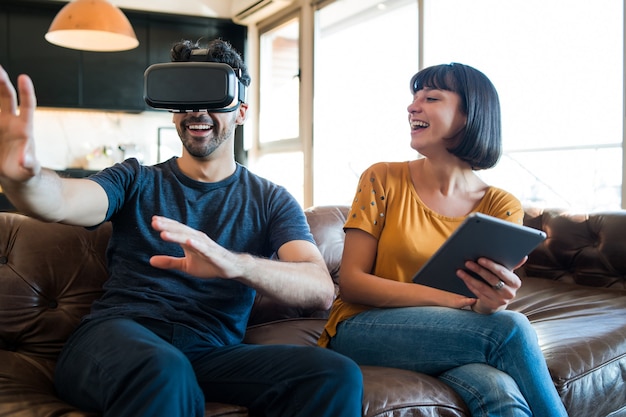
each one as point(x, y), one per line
point(402, 212)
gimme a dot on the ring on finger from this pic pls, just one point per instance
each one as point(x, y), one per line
point(499, 285)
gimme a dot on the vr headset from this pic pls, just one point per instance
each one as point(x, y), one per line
point(193, 86)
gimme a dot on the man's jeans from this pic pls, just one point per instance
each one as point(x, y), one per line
point(492, 361)
point(132, 368)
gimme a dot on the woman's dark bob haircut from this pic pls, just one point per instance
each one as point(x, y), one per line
point(481, 145)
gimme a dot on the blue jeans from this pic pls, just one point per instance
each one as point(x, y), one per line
point(492, 361)
point(132, 368)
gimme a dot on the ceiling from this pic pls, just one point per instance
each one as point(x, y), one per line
point(342, 9)
point(208, 8)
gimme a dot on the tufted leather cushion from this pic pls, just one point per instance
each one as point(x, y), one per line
point(581, 248)
point(53, 277)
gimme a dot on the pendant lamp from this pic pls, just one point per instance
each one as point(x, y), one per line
point(92, 25)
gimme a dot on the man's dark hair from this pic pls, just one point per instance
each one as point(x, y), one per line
point(218, 50)
point(481, 145)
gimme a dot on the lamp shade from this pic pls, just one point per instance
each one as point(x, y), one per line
point(92, 25)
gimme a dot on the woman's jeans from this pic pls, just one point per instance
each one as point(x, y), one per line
point(133, 368)
point(492, 361)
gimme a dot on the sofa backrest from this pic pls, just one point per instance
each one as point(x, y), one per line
point(51, 273)
point(581, 248)
point(49, 276)
point(326, 223)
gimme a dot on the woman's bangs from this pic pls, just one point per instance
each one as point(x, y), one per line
point(437, 77)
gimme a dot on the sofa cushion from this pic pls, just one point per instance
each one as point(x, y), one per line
point(387, 392)
point(582, 333)
point(27, 388)
point(391, 392)
point(303, 331)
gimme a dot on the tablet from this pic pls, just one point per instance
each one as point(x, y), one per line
point(478, 236)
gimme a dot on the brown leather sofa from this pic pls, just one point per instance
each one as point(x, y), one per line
point(574, 293)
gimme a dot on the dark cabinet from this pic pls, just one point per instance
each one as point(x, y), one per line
point(114, 80)
point(54, 70)
point(165, 30)
point(4, 37)
point(96, 80)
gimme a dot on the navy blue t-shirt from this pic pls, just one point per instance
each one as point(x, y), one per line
point(243, 213)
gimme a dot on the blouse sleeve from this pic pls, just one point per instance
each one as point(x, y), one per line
point(503, 205)
point(369, 206)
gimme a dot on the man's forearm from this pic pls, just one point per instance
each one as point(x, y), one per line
point(299, 284)
point(40, 196)
point(300, 278)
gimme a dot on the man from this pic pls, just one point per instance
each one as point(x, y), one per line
point(194, 239)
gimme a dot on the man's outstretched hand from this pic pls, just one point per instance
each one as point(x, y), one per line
point(18, 162)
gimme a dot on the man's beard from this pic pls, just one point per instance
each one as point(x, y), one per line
point(202, 149)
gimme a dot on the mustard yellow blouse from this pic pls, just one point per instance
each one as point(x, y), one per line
point(387, 206)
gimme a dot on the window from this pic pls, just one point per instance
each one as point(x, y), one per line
point(558, 68)
point(280, 67)
point(557, 65)
point(365, 55)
